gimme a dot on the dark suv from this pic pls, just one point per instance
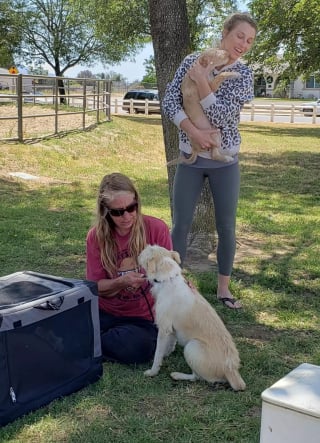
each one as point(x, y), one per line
point(139, 97)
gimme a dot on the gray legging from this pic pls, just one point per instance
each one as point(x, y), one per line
point(224, 183)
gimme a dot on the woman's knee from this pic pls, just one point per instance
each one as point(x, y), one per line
point(226, 228)
point(128, 347)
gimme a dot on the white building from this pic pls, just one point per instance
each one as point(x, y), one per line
point(309, 88)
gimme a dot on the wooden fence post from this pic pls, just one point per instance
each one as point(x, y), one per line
point(252, 113)
point(19, 105)
point(272, 113)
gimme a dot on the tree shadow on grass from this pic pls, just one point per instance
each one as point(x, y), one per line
point(291, 173)
point(44, 228)
point(272, 130)
point(39, 225)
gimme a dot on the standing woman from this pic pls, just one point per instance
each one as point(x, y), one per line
point(121, 232)
point(222, 108)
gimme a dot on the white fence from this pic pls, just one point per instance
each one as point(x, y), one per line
point(135, 106)
point(84, 104)
point(291, 113)
point(268, 112)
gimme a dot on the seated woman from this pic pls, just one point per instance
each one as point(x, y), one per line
point(120, 233)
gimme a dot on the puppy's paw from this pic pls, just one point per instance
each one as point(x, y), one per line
point(228, 158)
point(151, 372)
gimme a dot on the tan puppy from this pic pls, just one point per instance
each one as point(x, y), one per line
point(183, 315)
point(210, 59)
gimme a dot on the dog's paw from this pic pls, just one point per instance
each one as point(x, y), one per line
point(228, 158)
point(181, 376)
point(175, 375)
point(150, 373)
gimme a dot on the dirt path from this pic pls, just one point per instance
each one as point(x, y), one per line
point(198, 260)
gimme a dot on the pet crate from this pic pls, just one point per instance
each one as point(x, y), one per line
point(49, 340)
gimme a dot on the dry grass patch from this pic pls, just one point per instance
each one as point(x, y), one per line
point(36, 122)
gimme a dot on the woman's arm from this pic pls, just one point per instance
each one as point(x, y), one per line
point(202, 137)
point(107, 287)
point(222, 106)
point(172, 105)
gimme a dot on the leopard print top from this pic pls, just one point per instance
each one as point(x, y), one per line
point(222, 107)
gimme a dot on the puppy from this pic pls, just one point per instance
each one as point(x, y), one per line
point(210, 59)
point(183, 315)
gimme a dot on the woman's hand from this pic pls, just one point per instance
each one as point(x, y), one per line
point(111, 287)
point(206, 138)
point(133, 280)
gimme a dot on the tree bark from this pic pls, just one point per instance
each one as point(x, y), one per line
point(171, 43)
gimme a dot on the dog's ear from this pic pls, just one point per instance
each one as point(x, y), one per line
point(176, 256)
point(151, 266)
point(203, 60)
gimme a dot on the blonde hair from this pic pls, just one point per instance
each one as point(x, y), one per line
point(238, 17)
point(113, 185)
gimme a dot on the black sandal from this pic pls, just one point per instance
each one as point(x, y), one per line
point(233, 301)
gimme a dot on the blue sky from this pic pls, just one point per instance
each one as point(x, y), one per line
point(130, 70)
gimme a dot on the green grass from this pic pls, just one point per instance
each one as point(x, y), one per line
point(43, 225)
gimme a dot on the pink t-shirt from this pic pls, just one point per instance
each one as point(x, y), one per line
point(126, 303)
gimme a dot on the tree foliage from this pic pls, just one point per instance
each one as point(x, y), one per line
point(9, 37)
point(122, 26)
point(65, 33)
point(56, 32)
point(150, 77)
point(288, 35)
point(86, 73)
point(108, 75)
point(205, 20)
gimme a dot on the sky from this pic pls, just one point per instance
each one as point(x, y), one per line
point(131, 71)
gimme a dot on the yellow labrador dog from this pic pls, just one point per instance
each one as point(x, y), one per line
point(210, 59)
point(183, 315)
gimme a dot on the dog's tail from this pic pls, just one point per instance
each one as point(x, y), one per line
point(173, 162)
point(188, 161)
point(234, 378)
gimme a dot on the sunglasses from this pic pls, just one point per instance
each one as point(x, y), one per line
point(119, 212)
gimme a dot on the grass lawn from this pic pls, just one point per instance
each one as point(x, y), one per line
point(43, 224)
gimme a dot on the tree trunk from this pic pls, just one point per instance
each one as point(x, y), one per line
point(171, 43)
point(61, 88)
point(62, 92)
